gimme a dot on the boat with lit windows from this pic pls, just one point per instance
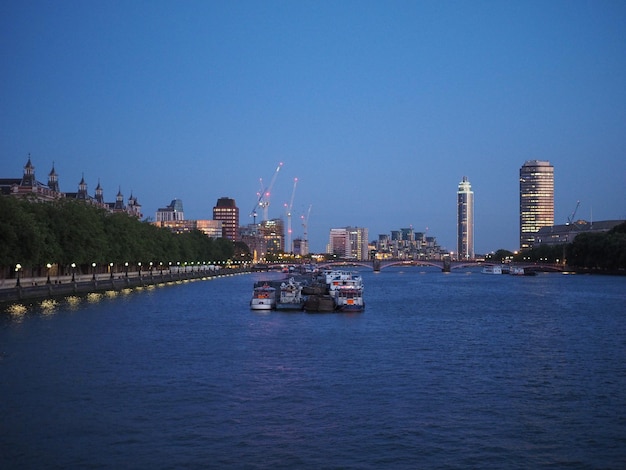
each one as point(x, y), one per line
point(263, 298)
point(349, 298)
point(492, 270)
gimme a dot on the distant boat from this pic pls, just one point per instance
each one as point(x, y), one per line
point(492, 270)
point(263, 298)
point(519, 271)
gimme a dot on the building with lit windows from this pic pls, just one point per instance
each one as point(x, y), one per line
point(465, 220)
point(210, 228)
point(228, 213)
point(349, 243)
point(273, 232)
point(536, 186)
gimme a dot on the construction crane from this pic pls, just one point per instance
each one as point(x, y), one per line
point(570, 219)
point(289, 207)
point(264, 196)
point(305, 224)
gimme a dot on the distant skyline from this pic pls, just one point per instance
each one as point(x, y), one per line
point(378, 108)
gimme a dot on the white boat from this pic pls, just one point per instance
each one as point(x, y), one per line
point(290, 297)
point(492, 270)
point(263, 298)
point(349, 299)
point(354, 281)
point(518, 271)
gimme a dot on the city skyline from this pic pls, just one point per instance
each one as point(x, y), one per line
point(377, 108)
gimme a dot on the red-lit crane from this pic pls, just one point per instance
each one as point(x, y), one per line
point(264, 196)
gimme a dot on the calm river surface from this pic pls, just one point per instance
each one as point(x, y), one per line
point(462, 370)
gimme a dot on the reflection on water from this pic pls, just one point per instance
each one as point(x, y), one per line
point(48, 306)
point(73, 301)
point(94, 297)
point(17, 310)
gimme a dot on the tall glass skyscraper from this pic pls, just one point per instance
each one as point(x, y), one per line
point(465, 220)
point(536, 200)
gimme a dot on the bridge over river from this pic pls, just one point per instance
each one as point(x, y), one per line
point(445, 265)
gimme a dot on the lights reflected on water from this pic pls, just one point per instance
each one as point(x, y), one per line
point(94, 297)
point(49, 306)
point(73, 301)
point(17, 311)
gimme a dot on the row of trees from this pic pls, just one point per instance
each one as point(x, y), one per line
point(68, 231)
point(604, 251)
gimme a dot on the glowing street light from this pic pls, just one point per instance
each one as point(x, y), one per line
point(73, 272)
point(18, 267)
point(93, 271)
point(48, 266)
point(111, 269)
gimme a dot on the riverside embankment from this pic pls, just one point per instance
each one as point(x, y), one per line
point(40, 288)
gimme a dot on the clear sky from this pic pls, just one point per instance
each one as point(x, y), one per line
point(378, 108)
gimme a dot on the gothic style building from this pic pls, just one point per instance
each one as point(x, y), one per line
point(28, 186)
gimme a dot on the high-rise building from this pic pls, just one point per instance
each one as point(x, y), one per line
point(349, 242)
point(273, 232)
point(536, 200)
point(465, 220)
point(227, 211)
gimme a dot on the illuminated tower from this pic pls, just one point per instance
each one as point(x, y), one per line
point(227, 211)
point(536, 200)
point(465, 220)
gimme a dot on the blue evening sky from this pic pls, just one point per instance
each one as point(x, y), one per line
point(378, 108)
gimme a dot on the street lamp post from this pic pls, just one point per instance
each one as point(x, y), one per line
point(139, 264)
point(150, 268)
point(18, 267)
point(111, 269)
point(126, 268)
point(48, 266)
point(73, 272)
point(93, 271)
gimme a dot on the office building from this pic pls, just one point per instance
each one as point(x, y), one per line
point(349, 243)
point(536, 190)
point(210, 228)
point(173, 212)
point(465, 220)
point(227, 211)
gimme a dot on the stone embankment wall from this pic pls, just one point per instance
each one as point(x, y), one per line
point(33, 291)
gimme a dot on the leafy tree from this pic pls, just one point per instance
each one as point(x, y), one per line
point(69, 231)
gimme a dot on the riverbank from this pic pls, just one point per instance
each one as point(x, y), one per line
point(39, 288)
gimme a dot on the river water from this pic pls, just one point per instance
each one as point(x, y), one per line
point(460, 370)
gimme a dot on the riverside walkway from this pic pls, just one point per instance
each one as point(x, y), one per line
point(41, 287)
